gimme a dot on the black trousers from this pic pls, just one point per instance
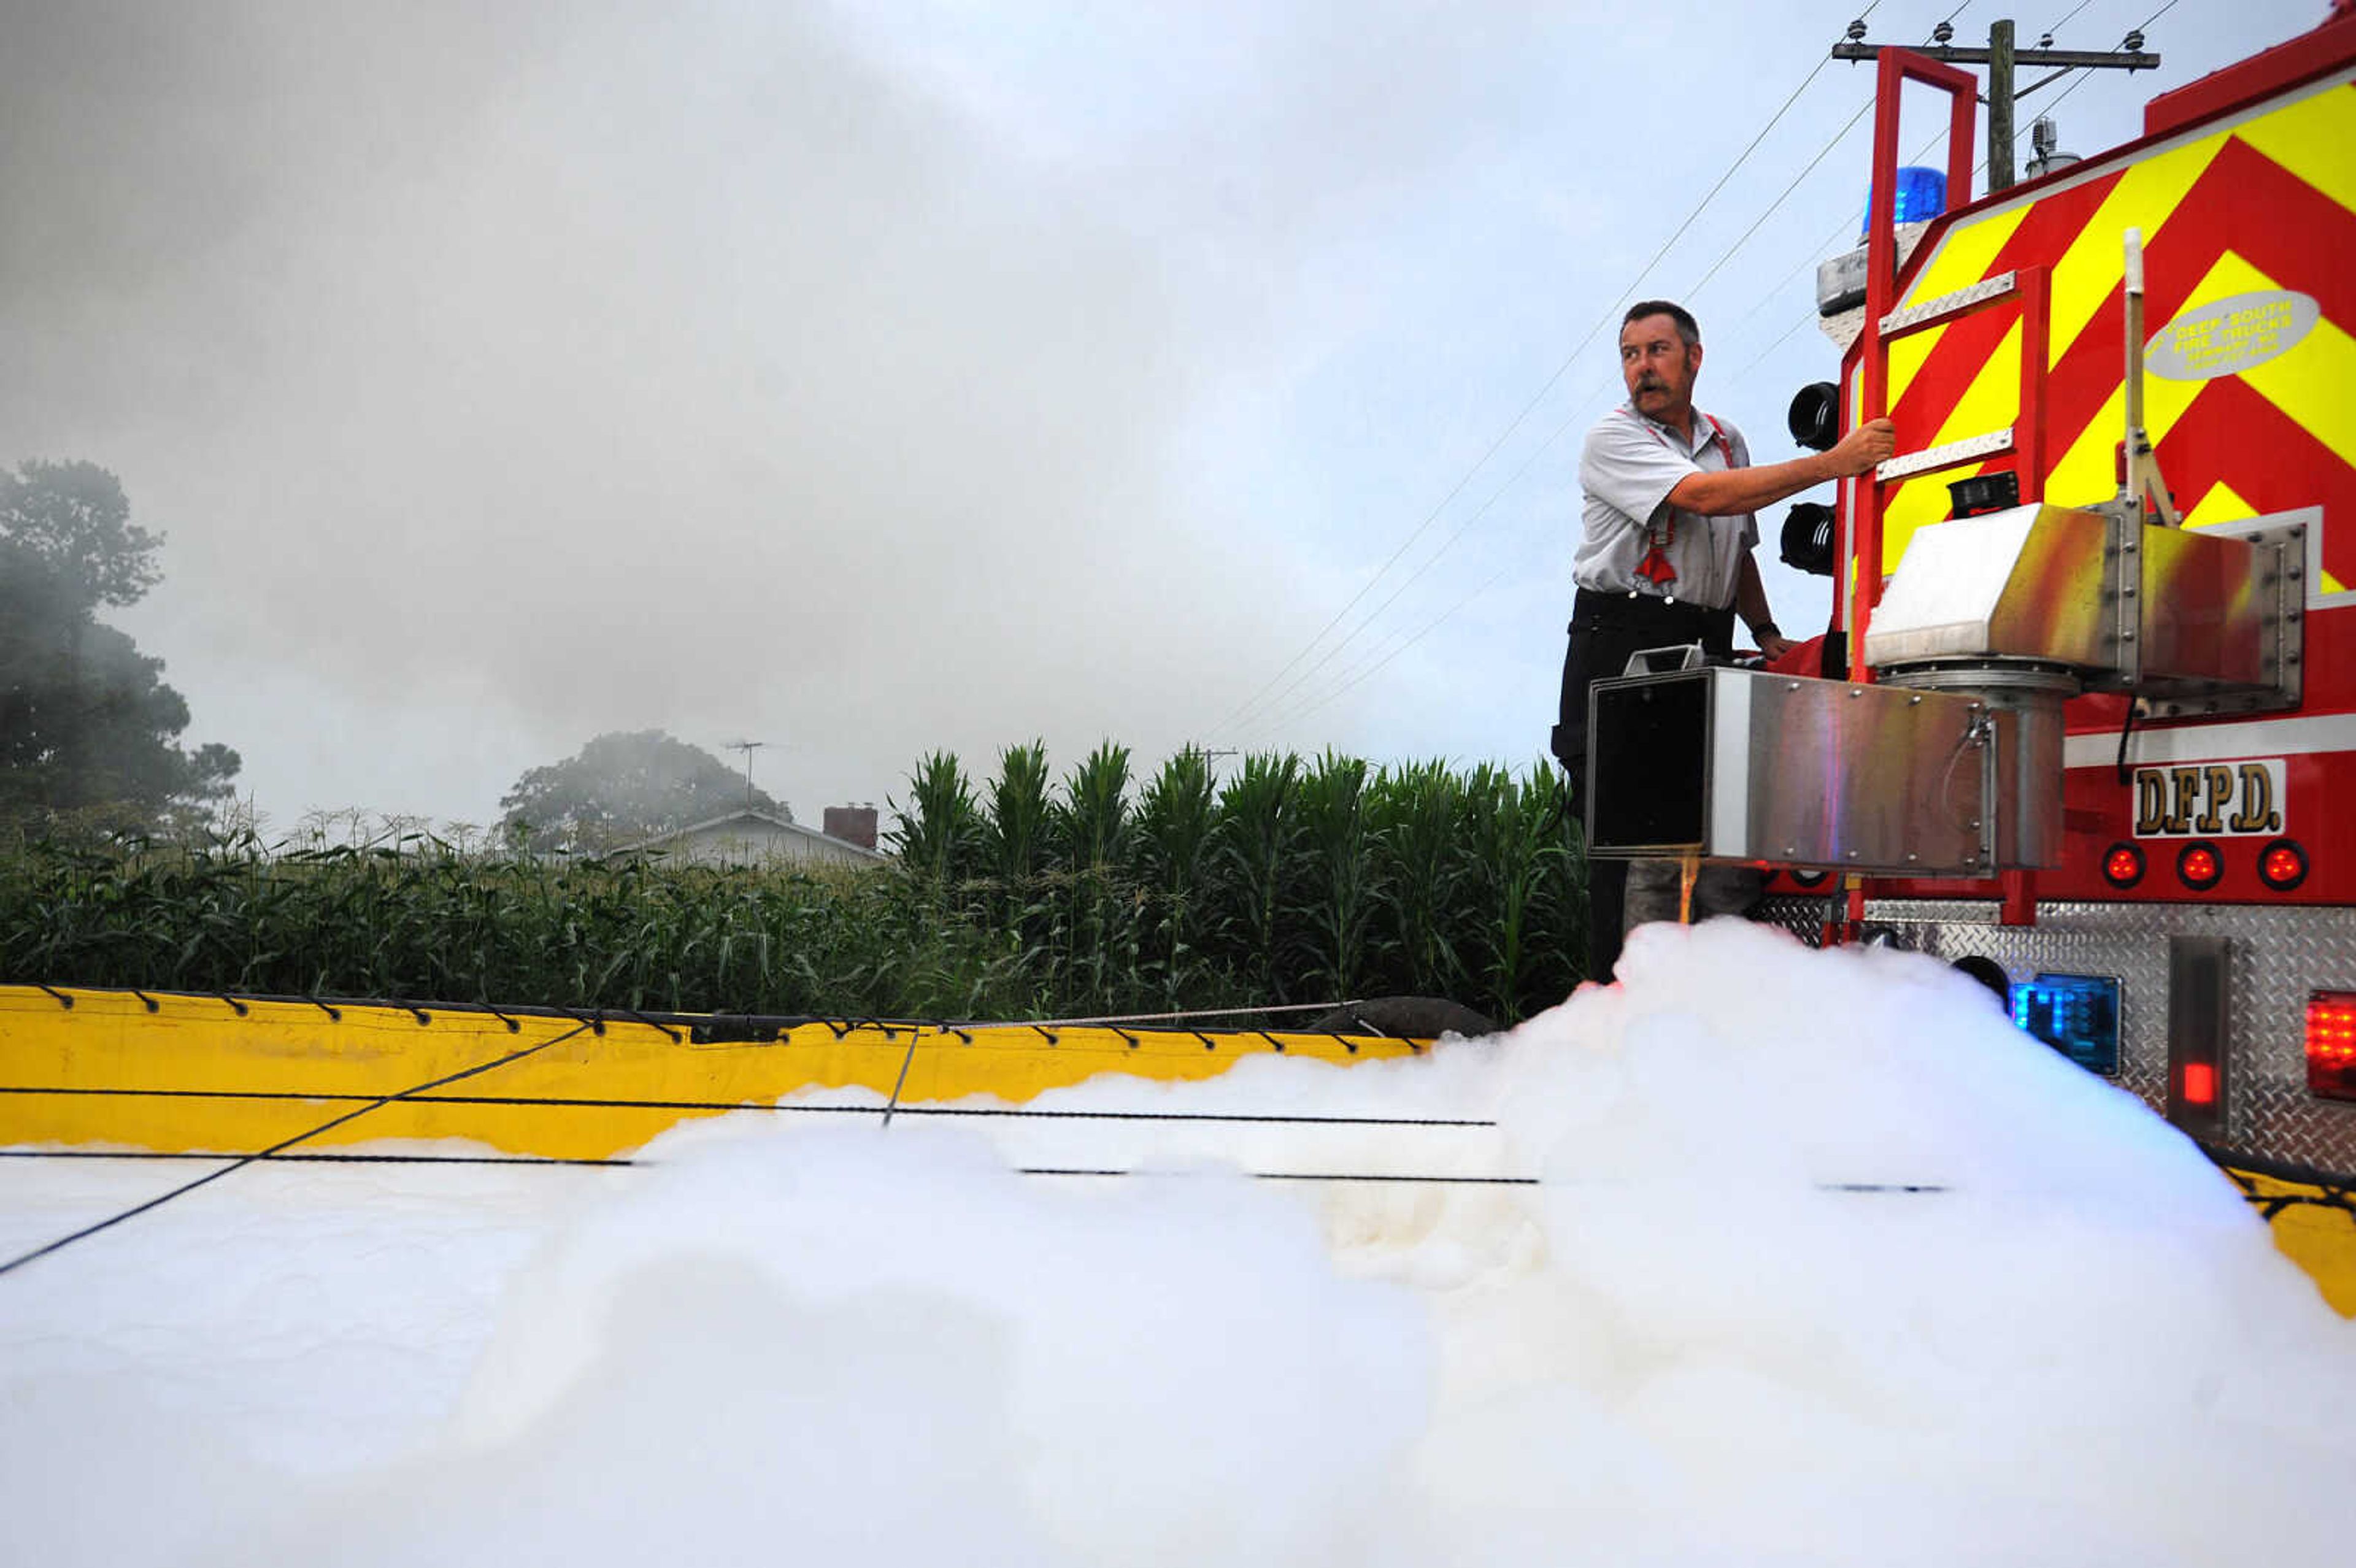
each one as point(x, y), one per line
point(1606, 630)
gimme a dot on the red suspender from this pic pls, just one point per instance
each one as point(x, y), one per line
point(1654, 567)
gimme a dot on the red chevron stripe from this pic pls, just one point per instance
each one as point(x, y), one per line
point(2231, 433)
point(2043, 236)
point(2277, 221)
point(2247, 204)
point(2276, 463)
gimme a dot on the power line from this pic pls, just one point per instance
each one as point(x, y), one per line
point(1332, 653)
point(1578, 414)
point(1578, 411)
point(1270, 714)
point(1519, 419)
point(2083, 77)
point(1393, 651)
point(1838, 136)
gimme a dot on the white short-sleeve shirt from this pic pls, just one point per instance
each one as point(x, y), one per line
point(1627, 468)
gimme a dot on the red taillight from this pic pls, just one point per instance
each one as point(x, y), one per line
point(2282, 865)
point(2331, 1044)
point(2199, 1083)
point(2123, 865)
point(2200, 867)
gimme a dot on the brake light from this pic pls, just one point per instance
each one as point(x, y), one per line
point(2282, 865)
point(2331, 1044)
point(2199, 1083)
point(2123, 865)
point(2200, 867)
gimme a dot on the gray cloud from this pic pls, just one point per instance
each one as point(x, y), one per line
point(863, 380)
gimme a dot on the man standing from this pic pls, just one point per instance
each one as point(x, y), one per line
point(1666, 560)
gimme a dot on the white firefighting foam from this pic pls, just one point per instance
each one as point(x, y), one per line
point(1823, 1263)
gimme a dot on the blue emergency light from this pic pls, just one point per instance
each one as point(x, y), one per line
point(1921, 193)
point(2077, 1015)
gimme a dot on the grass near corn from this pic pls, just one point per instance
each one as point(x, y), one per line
point(1101, 893)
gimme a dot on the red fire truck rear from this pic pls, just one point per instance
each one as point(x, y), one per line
point(2087, 720)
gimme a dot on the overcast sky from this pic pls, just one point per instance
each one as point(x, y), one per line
point(874, 379)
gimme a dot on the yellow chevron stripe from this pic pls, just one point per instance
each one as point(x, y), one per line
point(1991, 402)
point(2315, 139)
point(2220, 505)
point(1906, 357)
point(2315, 383)
point(2088, 472)
point(2146, 197)
point(2310, 384)
point(1965, 256)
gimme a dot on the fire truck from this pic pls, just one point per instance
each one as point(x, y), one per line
point(2085, 722)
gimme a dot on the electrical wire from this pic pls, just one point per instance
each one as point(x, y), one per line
point(1518, 420)
point(2083, 77)
point(1269, 716)
point(1400, 647)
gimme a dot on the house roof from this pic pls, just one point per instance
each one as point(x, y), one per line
point(778, 825)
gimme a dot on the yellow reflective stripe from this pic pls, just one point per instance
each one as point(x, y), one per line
point(1906, 357)
point(2222, 505)
point(2314, 384)
point(1910, 506)
point(2310, 384)
point(2315, 139)
point(2088, 472)
point(2146, 197)
point(1991, 402)
point(1965, 254)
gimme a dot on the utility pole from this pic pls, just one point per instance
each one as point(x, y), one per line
point(749, 748)
point(1999, 102)
point(2002, 58)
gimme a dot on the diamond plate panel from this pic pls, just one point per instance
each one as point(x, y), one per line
point(1932, 911)
point(1803, 916)
point(2278, 955)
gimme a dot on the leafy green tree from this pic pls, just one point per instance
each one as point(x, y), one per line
point(623, 785)
point(87, 724)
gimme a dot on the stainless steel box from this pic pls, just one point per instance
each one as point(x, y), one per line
point(1738, 764)
point(2187, 619)
point(2035, 582)
point(2207, 614)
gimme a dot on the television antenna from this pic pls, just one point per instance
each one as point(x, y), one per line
point(749, 748)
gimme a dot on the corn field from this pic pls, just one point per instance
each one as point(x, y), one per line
point(1019, 897)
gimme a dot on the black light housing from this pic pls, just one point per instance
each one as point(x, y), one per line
point(1814, 418)
point(2123, 865)
point(1807, 879)
point(1807, 542)
point(2200, 865)
point(2282, 865)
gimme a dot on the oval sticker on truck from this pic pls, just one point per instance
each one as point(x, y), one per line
point(2229, 336)
point(2209, 800)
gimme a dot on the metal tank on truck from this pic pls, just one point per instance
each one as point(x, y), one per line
point(2098, 742)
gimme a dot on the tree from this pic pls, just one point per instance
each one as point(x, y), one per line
point(86, 721)
point(624, 785)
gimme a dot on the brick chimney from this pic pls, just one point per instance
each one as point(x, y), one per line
point(851, 824)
